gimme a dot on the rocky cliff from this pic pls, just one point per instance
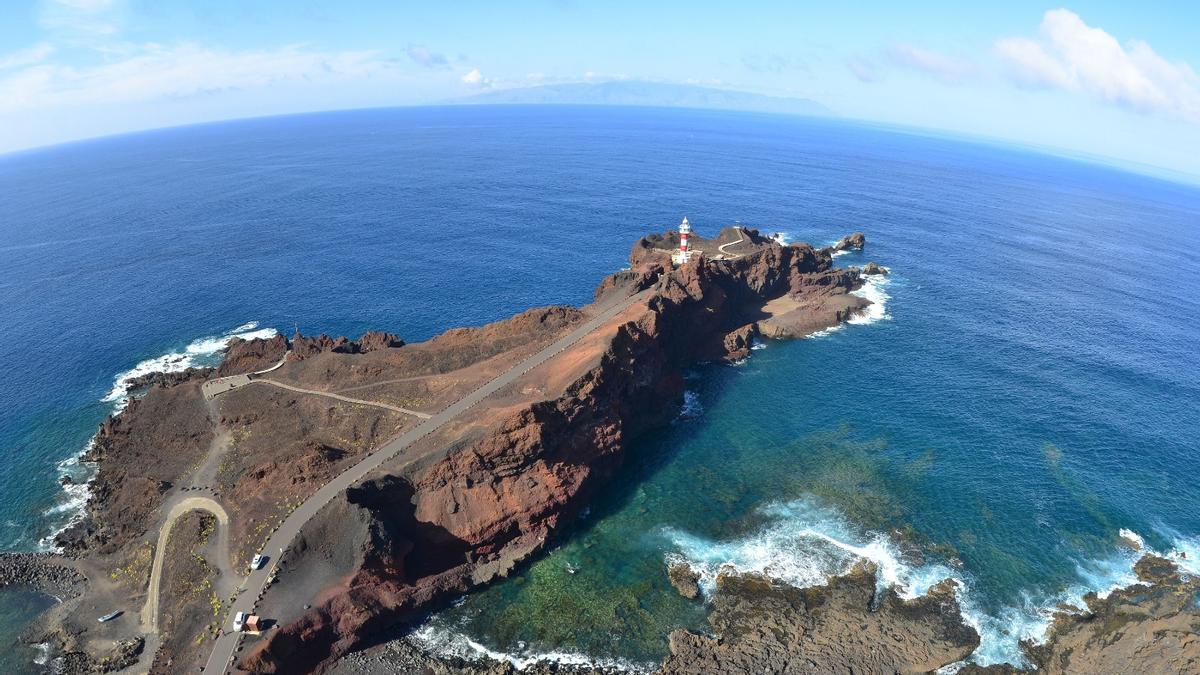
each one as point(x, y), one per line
point(493, 502)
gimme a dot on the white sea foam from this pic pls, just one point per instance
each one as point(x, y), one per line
point(77, 490)
point(75, 495)
point(804, 543)
point(874, 288)
point(782, 238)
point(450, 643)
point(1133, 538)
point(1103, 576)
point(691, 407)
point(824, 332)
point(198, 353)
point(43, 653)
point(1185, 551)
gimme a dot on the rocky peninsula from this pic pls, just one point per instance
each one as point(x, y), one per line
point(202, 468)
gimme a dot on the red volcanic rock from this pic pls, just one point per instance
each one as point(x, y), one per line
point(491, 503)
point(374, 340)
point(304, 347)
point(247, 356)
point(737, 343)
point(141, 450)
point(851, 242)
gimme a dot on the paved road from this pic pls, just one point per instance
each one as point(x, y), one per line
point(149, 615)
point(254, 585)
point(721, 248)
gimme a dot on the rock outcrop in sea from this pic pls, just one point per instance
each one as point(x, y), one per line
point(761, 626)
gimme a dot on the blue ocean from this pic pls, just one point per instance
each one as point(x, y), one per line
point(1026, 386)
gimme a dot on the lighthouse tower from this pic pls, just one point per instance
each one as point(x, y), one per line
point(683, 255)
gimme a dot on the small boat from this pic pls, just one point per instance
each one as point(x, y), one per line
point(110, 616)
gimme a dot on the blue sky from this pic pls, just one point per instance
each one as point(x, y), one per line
point(1109, 79)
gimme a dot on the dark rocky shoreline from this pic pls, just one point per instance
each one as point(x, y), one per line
point(762, 626)
point(46, 573)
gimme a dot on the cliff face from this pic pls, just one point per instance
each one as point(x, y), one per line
point(247, 356)
point(486, 506)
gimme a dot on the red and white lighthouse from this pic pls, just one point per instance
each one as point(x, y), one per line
point(683, 255)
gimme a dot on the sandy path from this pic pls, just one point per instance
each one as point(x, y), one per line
point(339, 397)
point(149, 615)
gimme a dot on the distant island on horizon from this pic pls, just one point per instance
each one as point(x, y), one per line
point(645, 93)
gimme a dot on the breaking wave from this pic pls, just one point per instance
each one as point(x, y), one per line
point(805, 543)
point(76, 491)
point(43, 653)
point(691, 408)
point(448, 643)
point(205, 351)
point(873, 289)
point(199, 353)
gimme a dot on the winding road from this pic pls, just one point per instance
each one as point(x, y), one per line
point(255, 584)
point(149, 615)
point(741, 238)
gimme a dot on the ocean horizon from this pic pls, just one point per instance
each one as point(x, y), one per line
point(1021, 392)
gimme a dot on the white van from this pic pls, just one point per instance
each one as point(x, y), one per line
point(258, 561)
point(239, 621)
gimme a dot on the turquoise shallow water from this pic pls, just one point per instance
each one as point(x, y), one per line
point(18, 606)
point(1032, 390)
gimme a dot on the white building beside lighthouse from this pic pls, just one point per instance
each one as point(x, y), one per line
point(684, 254)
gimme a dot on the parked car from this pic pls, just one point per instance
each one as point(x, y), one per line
point(239, 621)
point(258, 562)
point(110, 616)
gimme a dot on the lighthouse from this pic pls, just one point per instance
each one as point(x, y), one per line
point(683, 255)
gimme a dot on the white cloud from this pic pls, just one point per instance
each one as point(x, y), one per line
point(153, 71)
point(1070, 55)
point(863, 69)
point(81, 18)
point(27, 57)
point(476, 79)
point(945, 68)
point(86, 5)
point(422, 55)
